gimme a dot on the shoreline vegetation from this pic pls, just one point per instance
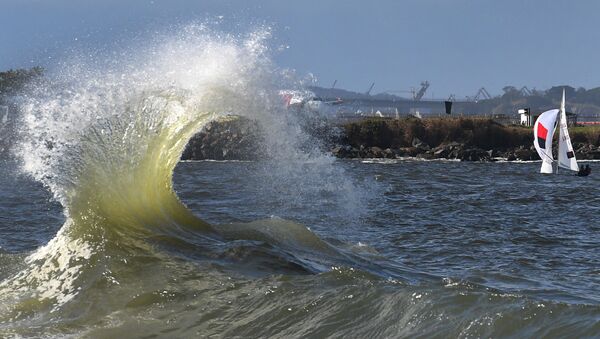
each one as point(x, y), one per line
point(464, 139)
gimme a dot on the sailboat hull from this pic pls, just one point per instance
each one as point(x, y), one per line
point(546, 168)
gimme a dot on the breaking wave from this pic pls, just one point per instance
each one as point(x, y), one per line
point(105, 137)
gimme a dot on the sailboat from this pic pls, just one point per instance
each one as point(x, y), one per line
point(543, 131)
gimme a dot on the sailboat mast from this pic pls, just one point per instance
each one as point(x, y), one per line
point(561, 113)
point(558, 126)
point(558, 122)
point(562, 103)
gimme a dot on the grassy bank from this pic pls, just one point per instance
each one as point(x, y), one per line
point(472, 132)
point(585, 134)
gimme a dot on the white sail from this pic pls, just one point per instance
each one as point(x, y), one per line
point(543, 130)
point(566, 156)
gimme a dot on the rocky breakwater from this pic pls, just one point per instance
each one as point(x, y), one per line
point(236, 138)
point(450, 138)
point(230, 138)
point(421, 150)
point(585, 151)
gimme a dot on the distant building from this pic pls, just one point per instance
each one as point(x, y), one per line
point(525, 114)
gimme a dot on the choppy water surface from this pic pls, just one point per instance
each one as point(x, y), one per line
point(439, 249)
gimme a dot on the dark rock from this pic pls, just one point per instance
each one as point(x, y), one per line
point(588, 155)
point(411, 151)
point(401, 152)
point(473, 154)
point(389, 153)
point(233, 138)
point(448, 151)
point(441, 153)
point(524, 154)
point(426, 155)
point(418, 143)
point(375, 152)
point(344, 151)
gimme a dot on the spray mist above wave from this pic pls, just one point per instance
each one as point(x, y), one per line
point(169, 81)
point(163, 85)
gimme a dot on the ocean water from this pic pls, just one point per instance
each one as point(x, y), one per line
point(448, 249)
point(105, 233)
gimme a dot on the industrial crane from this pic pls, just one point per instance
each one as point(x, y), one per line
point(526, 92)
point(422, 90)
point(368, 92)
point(416, 95)
point(482, 93)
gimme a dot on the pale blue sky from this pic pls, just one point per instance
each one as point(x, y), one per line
point(458, 45)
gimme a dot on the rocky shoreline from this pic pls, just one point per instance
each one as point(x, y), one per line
point(454, 151)
point(232, 138)
point(237, 138)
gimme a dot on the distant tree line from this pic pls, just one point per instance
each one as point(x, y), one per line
point(579, 100)
point(574, 95)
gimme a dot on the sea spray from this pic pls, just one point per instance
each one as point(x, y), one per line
point(106, 140)
point(105, 136)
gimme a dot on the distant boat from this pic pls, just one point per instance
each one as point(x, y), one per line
point(543, 131)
